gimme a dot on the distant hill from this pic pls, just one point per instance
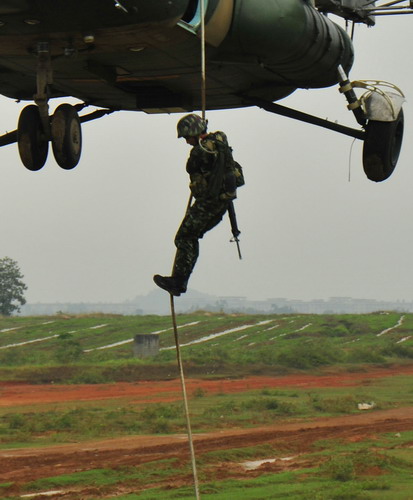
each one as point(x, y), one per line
point(157, 302)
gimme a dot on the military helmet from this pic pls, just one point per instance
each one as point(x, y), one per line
point(191, 125)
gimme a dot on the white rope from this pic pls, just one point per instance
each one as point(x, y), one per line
point(203, 60)
point(188, 421)
point(178, 350)
point(350, 159)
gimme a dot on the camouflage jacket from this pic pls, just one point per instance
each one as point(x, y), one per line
point(207, 166)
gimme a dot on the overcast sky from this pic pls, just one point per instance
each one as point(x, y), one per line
point(100, 232)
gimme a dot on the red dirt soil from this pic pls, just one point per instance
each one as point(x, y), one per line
point(22, 465)
point(13, 394)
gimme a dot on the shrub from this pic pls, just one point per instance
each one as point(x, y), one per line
point(340, 468)
point(270, 404)
point(341, 404)
point(397, 350)
point(365, 355)
point(199, 392)
point(309, 355)
point(69, 350)
point(155, 412)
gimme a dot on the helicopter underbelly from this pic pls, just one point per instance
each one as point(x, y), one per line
point(149, 58)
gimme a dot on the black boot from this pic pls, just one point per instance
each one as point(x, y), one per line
point(172, 284)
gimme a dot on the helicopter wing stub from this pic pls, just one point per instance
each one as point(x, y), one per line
point(352, 10)
point(364, 11)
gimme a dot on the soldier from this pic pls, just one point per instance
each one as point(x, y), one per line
point(213, 185)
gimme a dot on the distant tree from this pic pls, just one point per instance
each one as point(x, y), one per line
point(12, 287)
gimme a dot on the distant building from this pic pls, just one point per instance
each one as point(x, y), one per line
point(156, 303)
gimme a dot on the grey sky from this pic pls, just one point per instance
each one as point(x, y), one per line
point(99, 232)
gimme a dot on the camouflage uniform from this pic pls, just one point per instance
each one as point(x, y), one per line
point(213, 176)
point(211, 203)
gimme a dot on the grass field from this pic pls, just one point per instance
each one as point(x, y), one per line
point(98, 349)
point(359, 461)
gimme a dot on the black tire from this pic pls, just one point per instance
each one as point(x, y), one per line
point(66, 136)
point(33, 147)
point(382, 147)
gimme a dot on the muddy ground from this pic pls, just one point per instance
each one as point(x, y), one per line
point(22, 465)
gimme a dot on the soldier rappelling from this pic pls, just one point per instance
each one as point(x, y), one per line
point(214, 178)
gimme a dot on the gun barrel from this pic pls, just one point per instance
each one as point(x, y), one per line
point(234, 226)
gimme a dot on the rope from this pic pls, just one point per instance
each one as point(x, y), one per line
point(203, 59)
point(175, 328)
point(349, 159)
point(188, 421)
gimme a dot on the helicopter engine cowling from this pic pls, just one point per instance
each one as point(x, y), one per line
point(289, 38)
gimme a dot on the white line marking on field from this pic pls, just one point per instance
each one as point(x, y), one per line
point(29, 342)
point(240, 338)
point(387, 330)
point(10, 329)
point(220, 334)
point(302, 328)
point(122, 342)
point(42, 494)
point(271, 328)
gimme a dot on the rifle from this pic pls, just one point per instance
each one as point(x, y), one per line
point(234, 226)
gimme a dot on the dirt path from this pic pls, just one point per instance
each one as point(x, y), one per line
point(14, 394)
point(22, 465)
point(34, 463)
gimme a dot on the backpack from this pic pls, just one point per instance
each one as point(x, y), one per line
point(239, 174)
point(228, 175)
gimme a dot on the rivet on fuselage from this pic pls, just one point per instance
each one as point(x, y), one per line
point(89, 38)
point(32, 22)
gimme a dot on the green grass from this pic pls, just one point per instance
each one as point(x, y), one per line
point(365, 470)
point(79, 421)
point(65, 346)
point(379, 468)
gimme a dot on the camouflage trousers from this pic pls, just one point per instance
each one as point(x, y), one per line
point(202, 216)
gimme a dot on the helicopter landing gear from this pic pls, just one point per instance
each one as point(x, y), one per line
point(36, 128)
point(380, 113)
point(382, 147)
point(32, 143)
point(66, 135)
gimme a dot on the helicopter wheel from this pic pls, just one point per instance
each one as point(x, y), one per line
point(33, 147)
point(382, 147)
point(66, 136)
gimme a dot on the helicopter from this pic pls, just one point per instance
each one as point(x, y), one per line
point(145, 56)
